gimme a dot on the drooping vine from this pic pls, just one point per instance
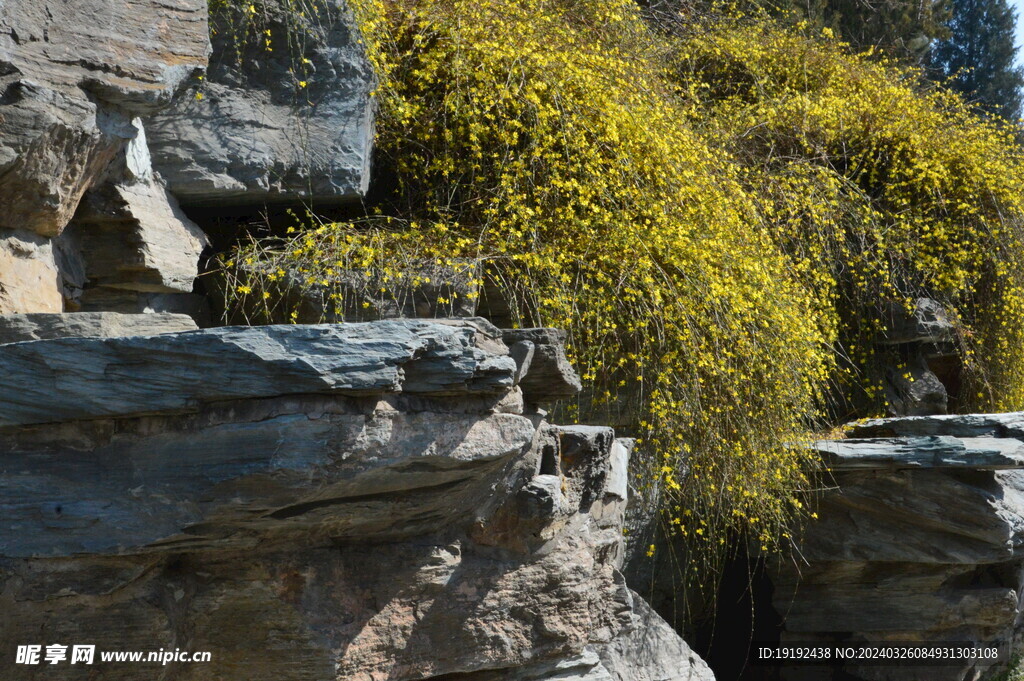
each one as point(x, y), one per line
point(717, 216)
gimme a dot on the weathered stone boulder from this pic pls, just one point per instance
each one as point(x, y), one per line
point(72, 76)
point(134, 237)
point(927, 323)
point(913, 389)
point(921, 540)
point(357, 502)
point(129, 242)
point(915, 342)
point(290, 123)
point(551, 376)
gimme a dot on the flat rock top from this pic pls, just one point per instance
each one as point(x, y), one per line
point(65, 379)
point(1010, 424)
point(929, 451)
point(17, 328)
point(971, 441)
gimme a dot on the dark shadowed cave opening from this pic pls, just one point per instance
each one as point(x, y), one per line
point(742, 617)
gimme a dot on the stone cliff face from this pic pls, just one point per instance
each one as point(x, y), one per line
point(91, 218)
point(76, 78)
point(920, 540)
point(368, 501)
point(364, 501)
point(358, 501)
point(279, 125)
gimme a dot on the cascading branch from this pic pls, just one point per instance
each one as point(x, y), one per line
point(880, 188)
point(715, 215)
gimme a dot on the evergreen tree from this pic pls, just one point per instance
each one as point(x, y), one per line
point(979, 56)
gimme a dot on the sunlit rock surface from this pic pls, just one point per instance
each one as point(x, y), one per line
point(921, 540)
point(359, 502)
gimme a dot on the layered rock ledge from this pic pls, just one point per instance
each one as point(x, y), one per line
point(360, 502)
point(920, 540)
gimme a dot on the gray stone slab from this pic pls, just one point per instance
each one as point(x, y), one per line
point(17, 328)
point(1010, 424)
point(81, 378)
point(929, 451)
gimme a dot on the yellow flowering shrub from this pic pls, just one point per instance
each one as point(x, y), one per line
point(715, 217)
point(880, 190)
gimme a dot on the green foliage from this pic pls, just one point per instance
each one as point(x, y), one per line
point(980, 56)
point(716, 217)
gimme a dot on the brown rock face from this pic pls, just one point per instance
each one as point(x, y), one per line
point(28, 274)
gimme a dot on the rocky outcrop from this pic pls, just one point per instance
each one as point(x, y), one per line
point(358, 502)
point(913, 343)
point(284, 114)
point(134, 237)
point(648, 649)
point(921, 540)
point(550, 376)
point(72, 76)
point(129, 238)
point(71, 378)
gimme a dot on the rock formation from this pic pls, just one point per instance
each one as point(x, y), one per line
point(359, 501)
point(73, 76)
point(81, 86)
point(920, 540)
point(16, 328)
point(132, 242)
point(284, 114)
point(915, 342)
point(354, 501)
point(368, 501)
